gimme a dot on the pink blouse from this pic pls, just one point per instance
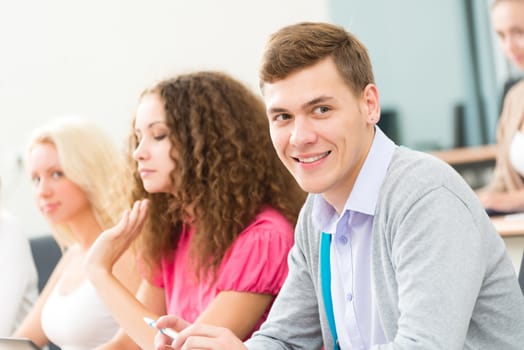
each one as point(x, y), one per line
point(256, 262)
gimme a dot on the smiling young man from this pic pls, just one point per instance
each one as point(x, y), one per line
point(393, 250)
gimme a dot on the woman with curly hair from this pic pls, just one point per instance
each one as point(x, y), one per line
point(218, 215)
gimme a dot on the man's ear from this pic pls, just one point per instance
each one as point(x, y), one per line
point(371, 102)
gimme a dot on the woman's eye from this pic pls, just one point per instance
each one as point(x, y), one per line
point(160, 137)
point(282, 117)
point(35, 180)
point(57, 174)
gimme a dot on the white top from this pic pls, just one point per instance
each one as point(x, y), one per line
point(18, 277)
point(516, 153)
point(78, 320)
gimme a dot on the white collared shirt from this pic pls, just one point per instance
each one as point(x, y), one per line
point(354, 308)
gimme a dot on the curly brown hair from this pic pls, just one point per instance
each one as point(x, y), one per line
point(226, 169)
point(301, 45)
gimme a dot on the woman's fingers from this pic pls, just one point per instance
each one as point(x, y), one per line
point(137, 217)
point(113, 242)
point(132, 221)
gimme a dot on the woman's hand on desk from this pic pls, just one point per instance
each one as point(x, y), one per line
point(503, 201)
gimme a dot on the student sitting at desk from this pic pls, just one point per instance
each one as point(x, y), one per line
point(74, 167)
point(505, 193)
point(393, 250)
point(222, 209)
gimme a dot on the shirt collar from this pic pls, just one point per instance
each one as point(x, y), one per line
point(363, 198)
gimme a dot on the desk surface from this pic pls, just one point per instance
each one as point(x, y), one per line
point(506, 227)
point(467, 155)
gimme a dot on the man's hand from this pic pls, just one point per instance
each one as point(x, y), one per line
point(197, 336)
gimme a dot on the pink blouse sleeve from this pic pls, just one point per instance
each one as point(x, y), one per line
point(257, 261)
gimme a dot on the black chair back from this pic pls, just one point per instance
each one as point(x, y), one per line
point(46, 254)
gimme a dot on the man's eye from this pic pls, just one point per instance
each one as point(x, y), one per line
point(321, 110)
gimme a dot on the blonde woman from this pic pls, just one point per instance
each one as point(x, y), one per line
point(78, 178)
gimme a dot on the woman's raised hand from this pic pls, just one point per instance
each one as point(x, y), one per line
point(113, 242)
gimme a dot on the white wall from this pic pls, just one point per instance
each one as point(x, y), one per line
point(94, 57)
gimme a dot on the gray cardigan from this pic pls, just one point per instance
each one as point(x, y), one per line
point(441, 277)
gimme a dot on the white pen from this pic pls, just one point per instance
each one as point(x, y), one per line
point(514, 216)
point(167, 331)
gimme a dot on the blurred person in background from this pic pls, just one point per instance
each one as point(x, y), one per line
point(505, 192)
point(79, 184)
point(18, 276)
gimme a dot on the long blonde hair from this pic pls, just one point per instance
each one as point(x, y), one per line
point(91, 160)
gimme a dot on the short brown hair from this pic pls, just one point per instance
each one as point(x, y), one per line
point(301, 45)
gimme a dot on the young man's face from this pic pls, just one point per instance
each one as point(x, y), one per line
point(321, 131)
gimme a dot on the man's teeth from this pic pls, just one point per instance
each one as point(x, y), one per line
point(312, 159)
